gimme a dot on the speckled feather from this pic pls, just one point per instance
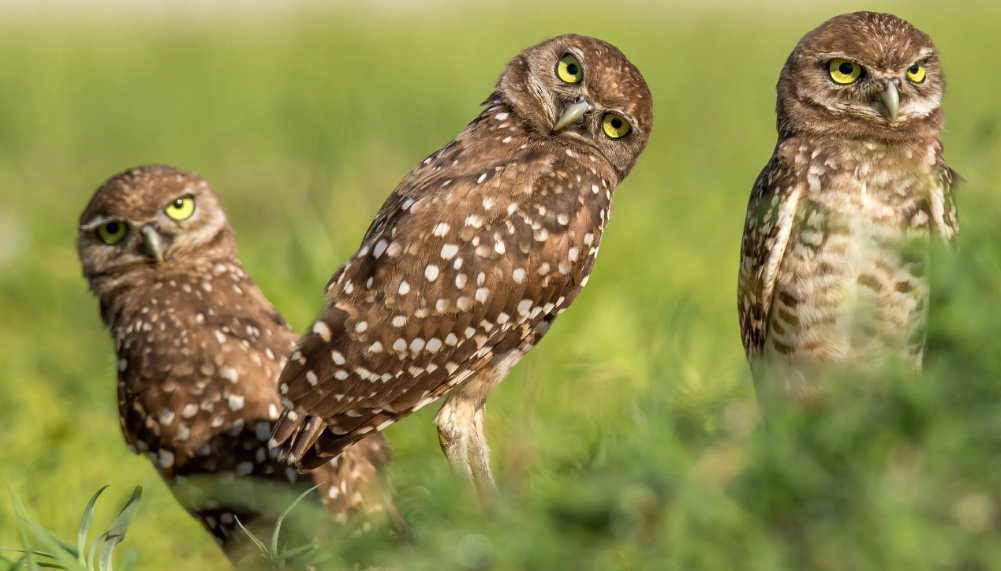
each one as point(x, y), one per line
point(836, 239)
point(199, 350)
point(463, 270)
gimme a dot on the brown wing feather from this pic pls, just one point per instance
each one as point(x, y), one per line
point(198, 367)
point(462, 262)
point(766, 230)
point(946, 218)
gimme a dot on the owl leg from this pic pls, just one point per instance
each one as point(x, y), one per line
point(453, 422)
point(460, 433)
point(479, 457)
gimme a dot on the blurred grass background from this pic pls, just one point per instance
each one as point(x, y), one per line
point(628, 439)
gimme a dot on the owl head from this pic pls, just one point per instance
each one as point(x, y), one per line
point(149, 219)
point(582, 88)
point(862, 75)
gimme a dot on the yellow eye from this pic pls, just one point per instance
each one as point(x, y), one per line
point(615, 126)
point(181, 209)
point(569, 70)
point(916, 73)
point(112, 232)
point(843, 71)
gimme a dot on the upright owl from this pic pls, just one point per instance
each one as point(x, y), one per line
point(837, 236)
point(470, 259)
point(199, 349)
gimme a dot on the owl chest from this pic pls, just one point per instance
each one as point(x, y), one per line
point(850, 286)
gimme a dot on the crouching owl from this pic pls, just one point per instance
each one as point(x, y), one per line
point(199, 350)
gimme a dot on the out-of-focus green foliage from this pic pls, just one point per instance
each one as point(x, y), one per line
point(629, 439)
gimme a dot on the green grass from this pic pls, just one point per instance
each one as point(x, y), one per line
point(625, 441)
point(40, 548)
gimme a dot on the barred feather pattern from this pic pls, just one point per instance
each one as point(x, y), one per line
point(834, 256)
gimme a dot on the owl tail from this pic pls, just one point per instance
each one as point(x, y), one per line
point(356, 482)
point(304, 442)
point(294, 435)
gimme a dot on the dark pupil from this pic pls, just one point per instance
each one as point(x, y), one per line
point(617, 123)
point(112, 228)
point(178, 203)
point(847, 68)
point(572, 69)
point(915, 68)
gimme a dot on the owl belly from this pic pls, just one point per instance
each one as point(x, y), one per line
point(850, 289)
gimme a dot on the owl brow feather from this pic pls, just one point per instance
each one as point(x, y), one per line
point(98, 221)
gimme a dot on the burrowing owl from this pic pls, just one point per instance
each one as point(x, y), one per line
point(839, 223)
point(470, 259)
point(199, 348)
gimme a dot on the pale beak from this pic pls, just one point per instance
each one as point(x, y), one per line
point(572, 115)
point(152, 242)
point(891, 101)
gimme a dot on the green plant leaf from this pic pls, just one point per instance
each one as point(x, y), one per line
point(116, 534)
point(260, 544)
point(290, 553)
point(93, 550)
point(21, 516)
point(19, 563)
point(85, 521)
point(34, 552)
point(50, 565)
point(281, 518)
point(65, 559)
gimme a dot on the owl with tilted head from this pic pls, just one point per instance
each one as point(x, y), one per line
point(471, 259)
point(199, 349)
point(839, 225)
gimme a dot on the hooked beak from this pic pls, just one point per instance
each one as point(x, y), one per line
point(152, 242)
point(891, 101)
point(573, 114)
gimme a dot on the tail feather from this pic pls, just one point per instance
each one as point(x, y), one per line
point(304, 440)
point(356, 481)
point(287, 427)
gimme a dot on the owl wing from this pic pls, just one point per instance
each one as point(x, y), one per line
point(943, 200)
point(189, 376)
point(771, 211)
point(452, 272)
point(204, 398)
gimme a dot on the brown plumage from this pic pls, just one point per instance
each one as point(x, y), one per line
point(199, 350)
point(837, 236)
point(471, 258)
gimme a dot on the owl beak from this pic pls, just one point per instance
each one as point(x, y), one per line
point(151, 242)
point(572, 114)
point(891, 101)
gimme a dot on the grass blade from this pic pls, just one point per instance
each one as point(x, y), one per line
point(260, 544)
point(281, 518)
point(35, 552)
point(290, 553)
point(64, 559)
point(21, 516)
point(17, 564)
point(93, 550)
point(116, 534)
point(85, 521)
